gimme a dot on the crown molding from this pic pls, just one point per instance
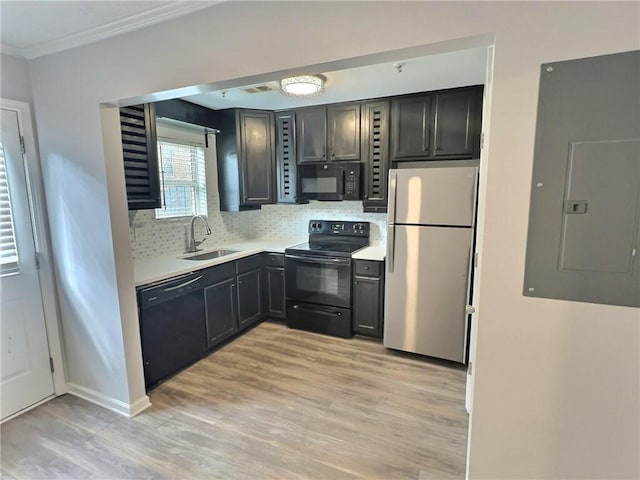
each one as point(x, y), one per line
point(10, 50)
point(111, 29)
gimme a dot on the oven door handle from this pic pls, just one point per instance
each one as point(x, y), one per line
point(317, 311)
point(321, 261)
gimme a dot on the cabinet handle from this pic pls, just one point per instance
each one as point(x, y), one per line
point(233, 284)
point(183, 284)
point(355, 283)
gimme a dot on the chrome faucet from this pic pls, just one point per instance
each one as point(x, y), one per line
point(193, 244)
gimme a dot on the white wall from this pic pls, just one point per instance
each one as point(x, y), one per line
point(557, 390)
point(14, 78)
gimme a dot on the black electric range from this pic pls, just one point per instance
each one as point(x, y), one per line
point(318, 277)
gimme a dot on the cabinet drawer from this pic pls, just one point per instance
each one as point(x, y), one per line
point(370, 268)
point(274, 259)
point(249, 263)
point(218, 273)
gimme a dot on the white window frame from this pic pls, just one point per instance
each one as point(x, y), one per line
point(168, 131)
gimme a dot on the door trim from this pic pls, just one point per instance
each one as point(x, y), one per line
point(42, 242)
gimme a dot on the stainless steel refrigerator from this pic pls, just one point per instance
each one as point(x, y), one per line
point(430, 226)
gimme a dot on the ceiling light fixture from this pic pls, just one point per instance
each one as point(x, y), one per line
point(303, 85)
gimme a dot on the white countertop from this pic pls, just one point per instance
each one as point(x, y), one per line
point(153, 269)
point(374, 252)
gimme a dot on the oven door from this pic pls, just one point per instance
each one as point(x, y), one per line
point(320, 280)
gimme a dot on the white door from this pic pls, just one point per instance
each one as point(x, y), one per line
point(25, 372)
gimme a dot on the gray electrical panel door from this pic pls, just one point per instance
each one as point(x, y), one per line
point(584, 219)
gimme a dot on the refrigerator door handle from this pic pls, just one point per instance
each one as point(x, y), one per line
point(391, 247)
point(393, 192)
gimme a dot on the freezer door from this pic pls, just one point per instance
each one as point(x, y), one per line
point(432, 196)
point(427, 291)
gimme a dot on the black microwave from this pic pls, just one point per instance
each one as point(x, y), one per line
point(329, 181)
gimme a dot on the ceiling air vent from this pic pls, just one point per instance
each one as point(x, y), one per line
point(258, 89)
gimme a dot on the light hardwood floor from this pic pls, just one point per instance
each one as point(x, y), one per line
point(274, 403)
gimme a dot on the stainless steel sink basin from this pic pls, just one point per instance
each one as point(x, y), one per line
point(210, 255)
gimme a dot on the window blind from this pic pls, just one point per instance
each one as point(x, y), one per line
point(8, 249)
point(182, 180)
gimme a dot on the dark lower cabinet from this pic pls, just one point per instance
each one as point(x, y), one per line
point(276, 297)
point(233, 298)
point(249, 297)
point(222, 318)
point(368, 297)
point(274, 285)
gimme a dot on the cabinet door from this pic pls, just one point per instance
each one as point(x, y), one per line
point(286, 157)
point(375, 155)
point(410, 128)
point(257, 157)
point(453, 132)
point(311, 130)
point(249, 298)
point(140, 152)
point(344, 132)
point(367, 312)
point(275, 292)
point(222, 317)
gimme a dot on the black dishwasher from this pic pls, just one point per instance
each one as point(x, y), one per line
point(172, 326)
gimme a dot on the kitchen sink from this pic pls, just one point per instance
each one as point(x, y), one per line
point(210, 255)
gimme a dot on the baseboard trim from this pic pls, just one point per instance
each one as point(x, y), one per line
point(113, 404)
point(26, 409)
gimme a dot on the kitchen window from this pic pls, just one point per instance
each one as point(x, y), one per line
point(182, 179)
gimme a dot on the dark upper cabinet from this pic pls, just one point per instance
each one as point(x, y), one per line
point(246, 159)
point(250, 308)
point(328, 133)
point(343, 131)
point(286, 169)
point(443, 125)
point(368, 297)
point(311, 129)
point(455, 118)
point(220, 303)
point(375, 155)
point(411, 128)
point(187, 112)
point(140, 152)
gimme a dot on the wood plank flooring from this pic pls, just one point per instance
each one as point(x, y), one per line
point(273, 404)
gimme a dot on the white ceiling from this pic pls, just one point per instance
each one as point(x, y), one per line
point(32, 29)
point(35, 28)
point(447, 70)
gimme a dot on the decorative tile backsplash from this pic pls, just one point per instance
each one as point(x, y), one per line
point(157, 237)
point(293, 220)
